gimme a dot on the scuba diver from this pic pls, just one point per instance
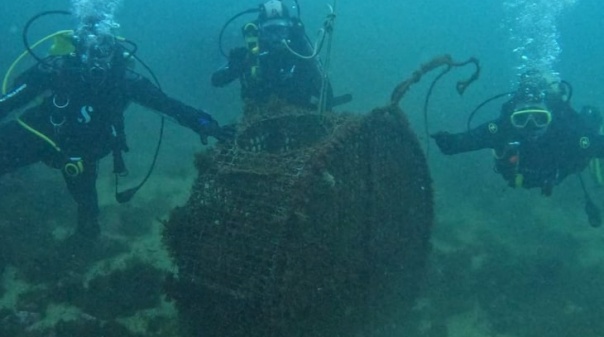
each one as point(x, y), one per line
point(74, 115)
point(277, 61)
point(538, 139)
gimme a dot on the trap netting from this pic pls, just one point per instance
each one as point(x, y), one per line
point(307, 225)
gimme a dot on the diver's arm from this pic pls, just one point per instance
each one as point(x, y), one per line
point(484, 136)
point(233, 70)
point(143, 92)
point(27, 87)
point(223, 76)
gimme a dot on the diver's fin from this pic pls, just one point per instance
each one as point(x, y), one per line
point(342, 99)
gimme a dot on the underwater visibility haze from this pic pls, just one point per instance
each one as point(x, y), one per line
point(504, 262)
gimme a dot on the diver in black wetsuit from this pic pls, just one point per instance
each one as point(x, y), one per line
point(77, 115)
point(277, 61)
point(538, 139)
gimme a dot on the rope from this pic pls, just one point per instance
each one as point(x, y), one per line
point(328, 27)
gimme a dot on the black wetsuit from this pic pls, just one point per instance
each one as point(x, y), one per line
point(82, 114)
point(274, 71)
point(567, 146)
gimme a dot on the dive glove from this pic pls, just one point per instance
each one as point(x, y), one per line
point(237, 59)
point(236, 66)
point(208, 126)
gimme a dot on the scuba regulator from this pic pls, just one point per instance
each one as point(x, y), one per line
point(260, 10)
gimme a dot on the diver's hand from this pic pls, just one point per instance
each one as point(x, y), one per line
point(238, 59)
point(238, 64)
point(225, 133)
point(206, 126)
point(209, 127)
point(444, 141)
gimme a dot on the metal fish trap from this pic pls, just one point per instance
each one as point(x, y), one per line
point(306, 225)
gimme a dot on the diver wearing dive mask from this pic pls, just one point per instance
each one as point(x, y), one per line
point(538, 139)
point(80, 116)
point(277, 61)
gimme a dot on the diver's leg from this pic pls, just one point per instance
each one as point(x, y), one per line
point(82, 188)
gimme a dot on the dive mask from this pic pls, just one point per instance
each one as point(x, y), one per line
point(274, 31)
point(96, 54)
point(538, 117)
point(96, 48)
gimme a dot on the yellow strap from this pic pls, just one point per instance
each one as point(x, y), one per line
point(39, 134)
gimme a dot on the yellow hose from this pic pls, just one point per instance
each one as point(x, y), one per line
point(61, 33)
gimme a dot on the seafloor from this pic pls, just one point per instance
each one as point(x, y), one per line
point(504, 262)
